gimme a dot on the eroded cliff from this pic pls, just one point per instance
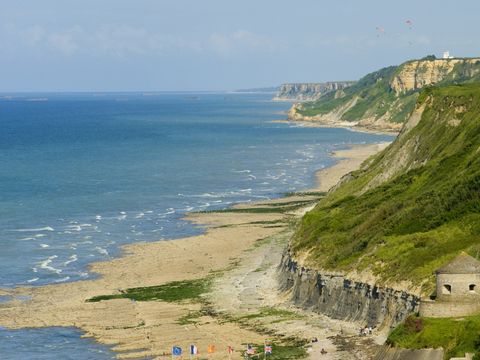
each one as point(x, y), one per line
point(309, 91)
point(383, 100)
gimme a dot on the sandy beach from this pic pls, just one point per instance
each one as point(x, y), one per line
point(340, 125)
point(237, 255)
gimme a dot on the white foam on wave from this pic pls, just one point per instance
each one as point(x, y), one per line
point(242, 171)
point(70, 260)
point(44, 246)
point(101, 250)
point(46, 228)
point(74, 227)
point(45, 264)
point(66, 278)
point(33, 280)
point(140, 215)
point(27, 239)
point(122, 217)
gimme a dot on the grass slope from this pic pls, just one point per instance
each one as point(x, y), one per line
point(374, 97)
point(420, 218)
point(455, 336)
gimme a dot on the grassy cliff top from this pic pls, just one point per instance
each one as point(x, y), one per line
point(414, 206)
point(390, 94)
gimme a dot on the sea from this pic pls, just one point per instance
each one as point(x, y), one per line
point(84, 173)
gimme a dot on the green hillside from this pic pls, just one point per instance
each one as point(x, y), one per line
point(415, 206)
point(374, 97)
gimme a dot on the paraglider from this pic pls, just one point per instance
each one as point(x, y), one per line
point(409, 23)
point(380, 31)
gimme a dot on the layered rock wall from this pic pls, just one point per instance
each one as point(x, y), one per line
point(341, 298)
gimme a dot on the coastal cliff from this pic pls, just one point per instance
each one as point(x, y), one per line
point(384, 99)
point(309, 91)
point(339, 297)
point(368, 250)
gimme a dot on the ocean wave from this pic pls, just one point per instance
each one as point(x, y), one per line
point(140, 215)
point(74, 227)
point(45, 264)
point(101, 250)
point(33, 280)
point(46, 228)
point(70, 260)
point(44, 246)
point(66, 278)
point(242, 171)
point(27, 239)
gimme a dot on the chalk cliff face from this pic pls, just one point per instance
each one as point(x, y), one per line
point(309, 91)
point(414, 75)
point(384, 99)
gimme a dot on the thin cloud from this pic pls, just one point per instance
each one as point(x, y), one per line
point(241, 41)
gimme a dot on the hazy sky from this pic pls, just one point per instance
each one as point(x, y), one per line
point(120, 45)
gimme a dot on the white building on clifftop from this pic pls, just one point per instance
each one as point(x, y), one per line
point(446, 55)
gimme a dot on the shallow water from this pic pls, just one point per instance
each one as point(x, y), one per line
point(50, 343)
point(83, 174)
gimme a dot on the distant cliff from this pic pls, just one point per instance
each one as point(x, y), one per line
point(309, 91)
point(384, 99)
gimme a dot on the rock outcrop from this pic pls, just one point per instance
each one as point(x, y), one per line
point(384, 99)
point(309, 91)
point(415, 75)
point(339, 297)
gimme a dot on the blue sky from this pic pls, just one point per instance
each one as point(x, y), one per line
point(148, 45)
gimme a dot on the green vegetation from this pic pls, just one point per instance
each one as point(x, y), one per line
point(279, 315)
point(455, 336)
point(175, 291)
point(306, 193)
point(258, 210)
point(283, 352)
point(423, 215)
point(372, 96)
point(190, 318)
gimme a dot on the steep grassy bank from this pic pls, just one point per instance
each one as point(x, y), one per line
point(385, 98)
point(414, 206)
point(455, 336)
